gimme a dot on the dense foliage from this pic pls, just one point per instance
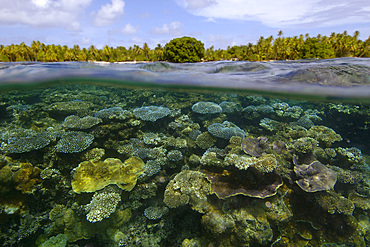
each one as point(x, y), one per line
point(182, 50)
point(187, 49)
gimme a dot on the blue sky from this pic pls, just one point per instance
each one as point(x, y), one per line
point(215, 22)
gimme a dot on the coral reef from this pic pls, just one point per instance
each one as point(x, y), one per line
point(75, 166)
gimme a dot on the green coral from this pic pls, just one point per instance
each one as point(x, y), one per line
point(59, 240)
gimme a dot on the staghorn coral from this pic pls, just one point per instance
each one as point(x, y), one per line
point(151, 113)
point(74, 142)
point(103, 204)
point(94, 175)
point(75, 122)
point(206, 108)
point(226, 130)
point(187, 187)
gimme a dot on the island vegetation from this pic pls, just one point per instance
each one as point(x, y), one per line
point(187, 49)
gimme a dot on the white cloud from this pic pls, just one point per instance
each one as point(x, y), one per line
point(43, 13)
point(41, 3)
point(174, 28)
point(128, 29)
point(195, 4)
point(109, 12)
point(283, 13)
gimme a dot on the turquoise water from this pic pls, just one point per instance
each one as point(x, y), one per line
point(207, 154)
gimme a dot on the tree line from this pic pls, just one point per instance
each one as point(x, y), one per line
point(178, 50)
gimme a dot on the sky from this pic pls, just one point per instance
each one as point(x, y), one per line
point(218, 23)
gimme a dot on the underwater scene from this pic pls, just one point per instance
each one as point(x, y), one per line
point(210, 154)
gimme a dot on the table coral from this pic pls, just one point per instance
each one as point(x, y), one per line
point(93, 175)
point(151, 113)
point(206, 108)
point(112, 113)
point(75, 122)
point(25, 140)
point(74, 142)
point(226, 130)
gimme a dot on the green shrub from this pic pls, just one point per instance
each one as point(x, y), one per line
point(182, 50)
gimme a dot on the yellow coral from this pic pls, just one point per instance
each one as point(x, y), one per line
point(27, 177)
point(93, 175)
